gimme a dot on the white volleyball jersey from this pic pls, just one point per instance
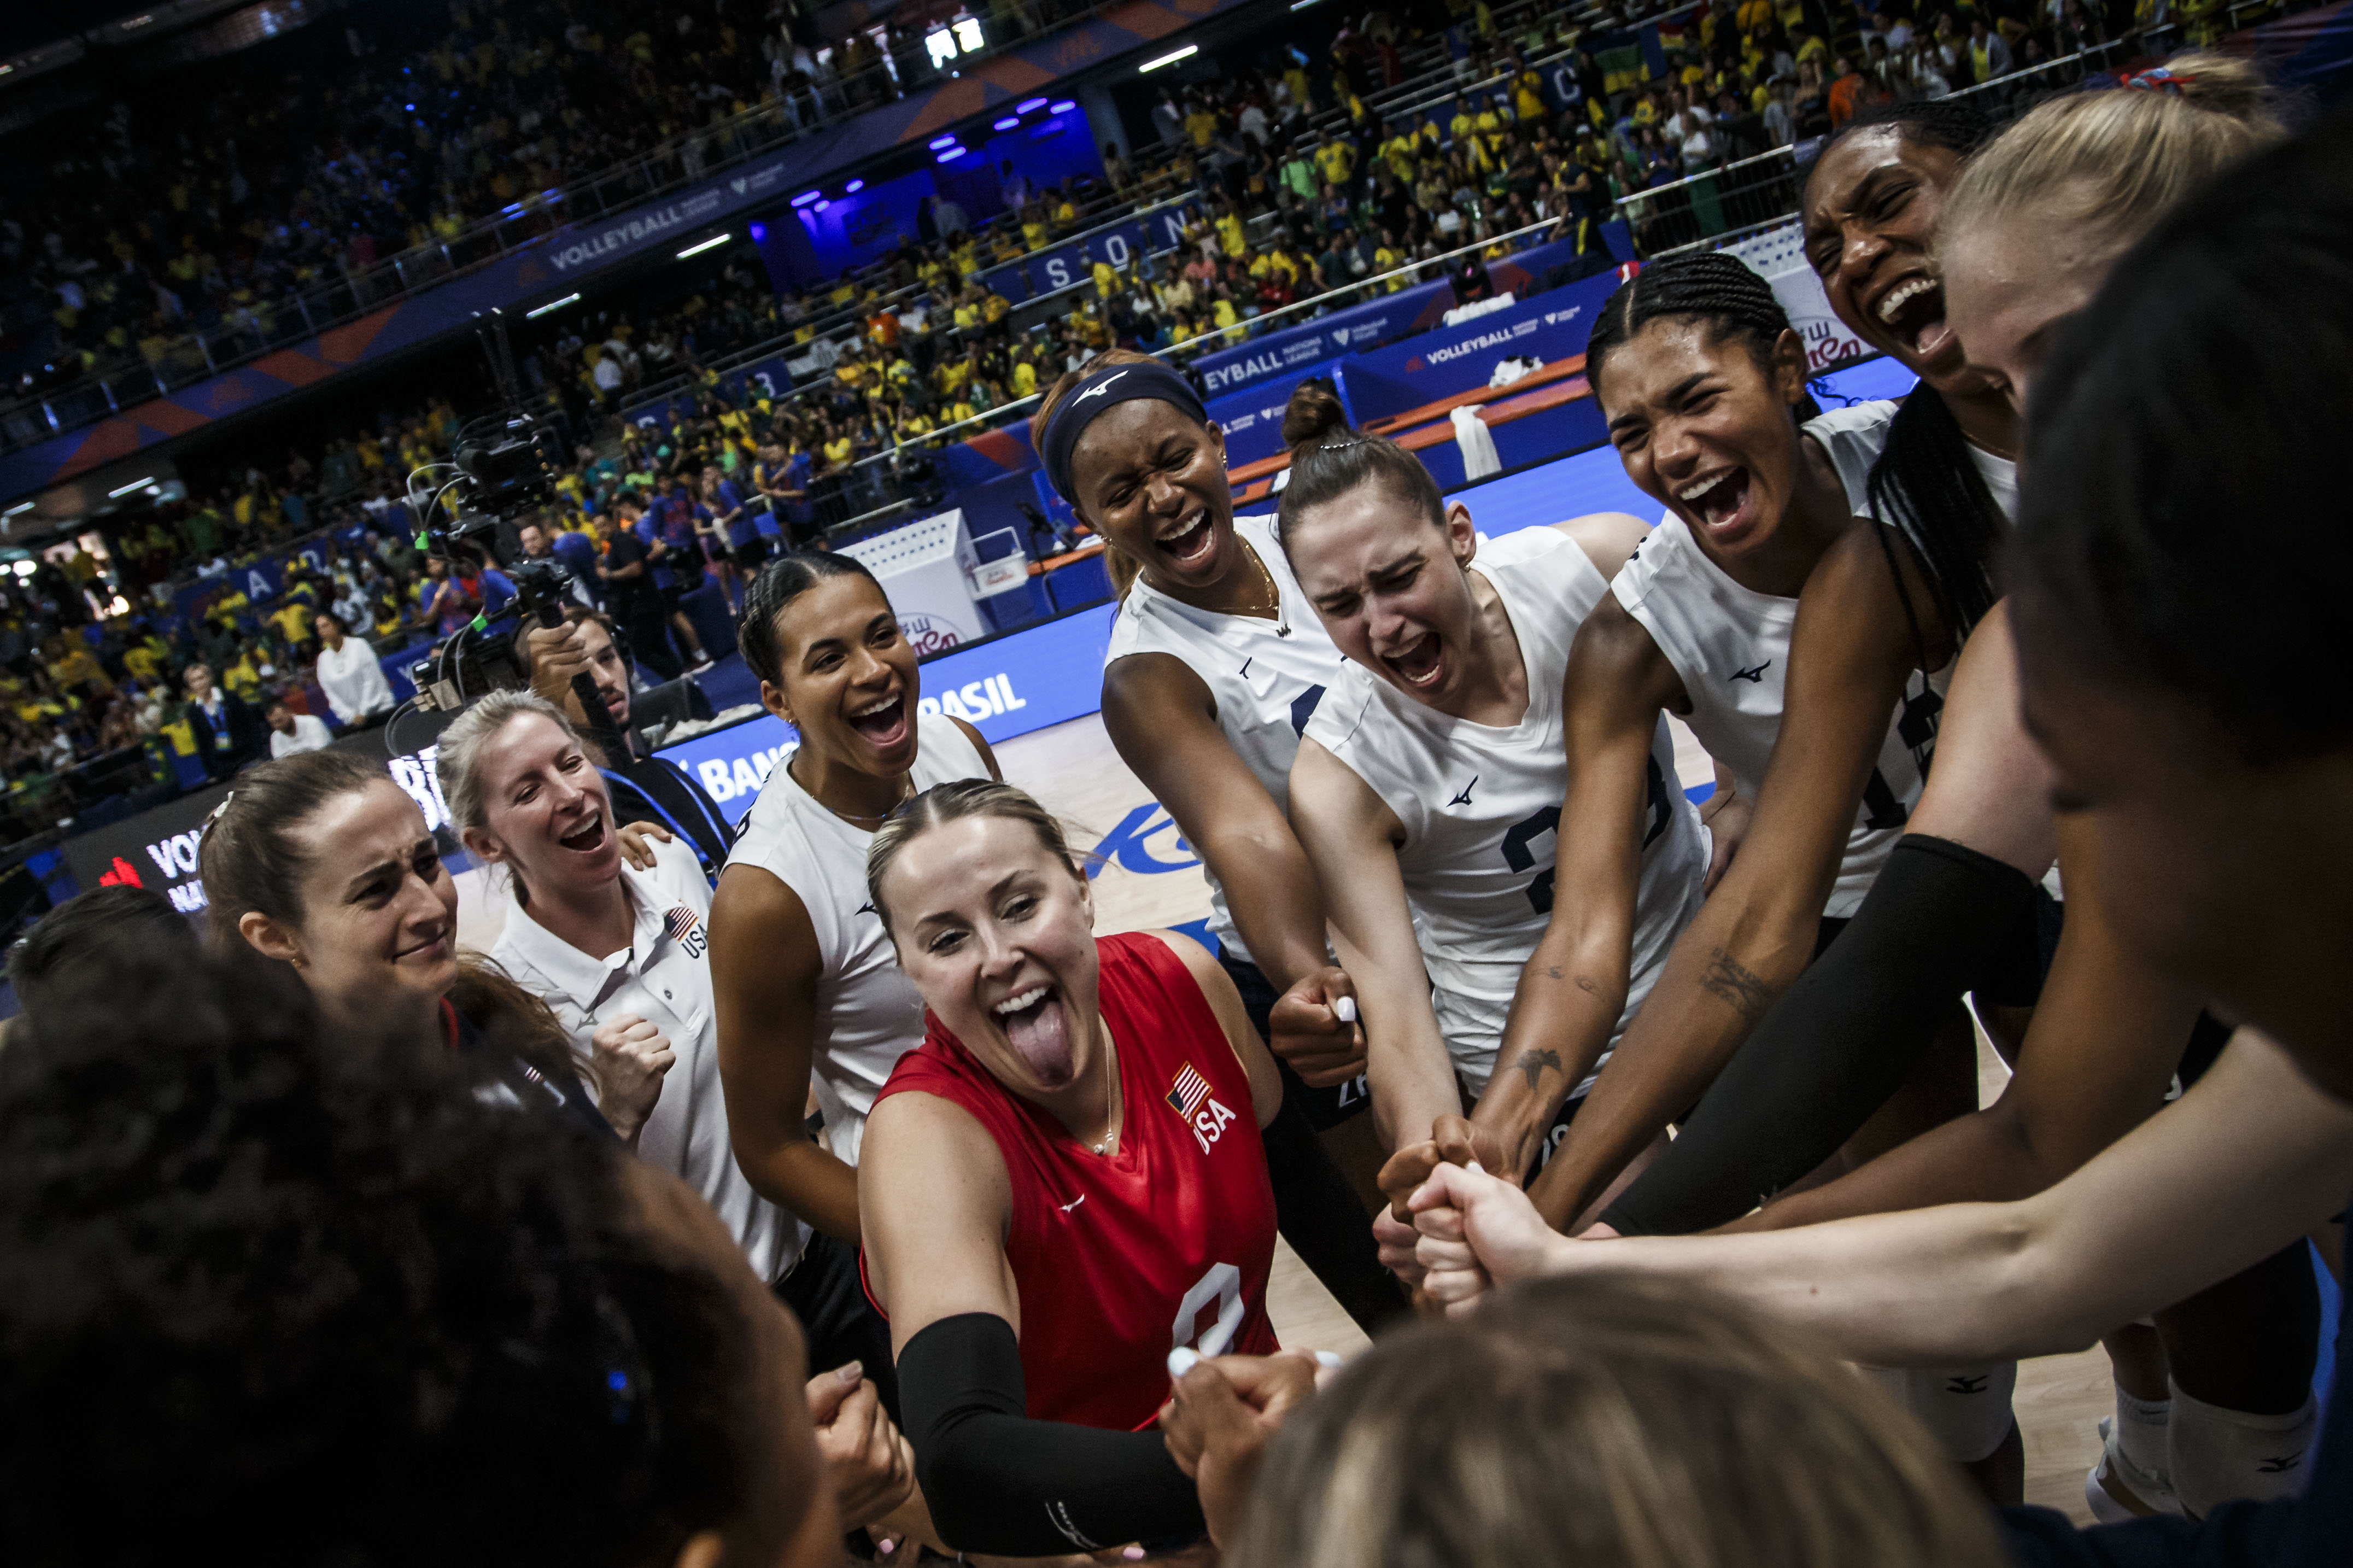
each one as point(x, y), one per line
point(1854, 437)
point(867, 1014)
point(1480, 808)
point(1730, 647)
point(1265, 676)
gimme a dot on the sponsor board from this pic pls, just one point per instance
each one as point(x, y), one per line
point(159, 849)
point(1003, 687)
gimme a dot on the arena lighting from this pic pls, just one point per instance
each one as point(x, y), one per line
point(805, 197)
point(852, 188)
point(1301, 5)
point(21, 506)
point(939, 141)
point(1007, 123)
point(551, 305)
point(1186, 53)
point(134, 485)
point(952, 153)
point(26, 568)
point(759, 232)
point(1026, 105)
point(1067, 105)
point(821, 206)
point(715, 239)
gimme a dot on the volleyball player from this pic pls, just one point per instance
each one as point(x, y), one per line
point(1704, 392)
point(2032, 226)
point(1429, 784)
point(2183, 691)
point(1214, 664)
point(1895, 603)
point(1061, 1187)
point(808, 995)
point(321, 862)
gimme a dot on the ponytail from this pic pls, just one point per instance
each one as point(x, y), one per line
point(1329, 459)
point(1927, 487)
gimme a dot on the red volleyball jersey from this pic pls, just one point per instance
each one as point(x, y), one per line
point(1165, 1242)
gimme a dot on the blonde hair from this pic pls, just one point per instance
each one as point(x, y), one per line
point(457, 755)
point(2106, 166)
point(947, 803)
point(1616, 1421)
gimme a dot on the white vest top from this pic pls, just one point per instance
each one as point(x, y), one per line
point(867, 1014)
point(1480, 808)
point(1730, 646)
point(664, 977)
point(1266, 677)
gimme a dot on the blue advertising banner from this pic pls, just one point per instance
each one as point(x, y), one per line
point(1365, 326)
point(1003, 687)
point(1551, 327)
point(1290, 348)
point(1252, 418)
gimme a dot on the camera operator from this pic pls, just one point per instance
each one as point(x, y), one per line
point(645, 787)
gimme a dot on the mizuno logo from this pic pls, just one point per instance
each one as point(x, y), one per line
point(1247, 662)
point(865, 909)
point(1754, 675)
point(1976, 1385)
point(1098, 389)
point(1464, 798)
point(1074, 1203)
point(2275, 1467)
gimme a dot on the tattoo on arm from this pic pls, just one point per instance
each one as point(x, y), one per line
point(1534, 1063)
point(1742, 987)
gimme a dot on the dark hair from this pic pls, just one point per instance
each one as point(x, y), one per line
point(1710, 286)
point(1329, 460)
point(248, 858)
point(779, 582)
point(2157, 561)
point(1122, 568)
point(352, 1313)
point(1609, 1419)
point(103, 924)
point(1925, 483)
point(1955, 125)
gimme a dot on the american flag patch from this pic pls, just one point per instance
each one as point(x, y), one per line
point(1188, 1091)
point(685, 928)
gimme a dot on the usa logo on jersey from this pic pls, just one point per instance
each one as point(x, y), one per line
point(1189, 1097)
point(686, 929)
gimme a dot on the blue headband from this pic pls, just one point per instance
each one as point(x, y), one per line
point(1098, 391)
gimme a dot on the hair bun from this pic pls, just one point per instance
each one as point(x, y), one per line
point(1313, 414)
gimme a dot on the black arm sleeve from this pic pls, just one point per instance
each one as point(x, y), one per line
point(997, 1482)
point(1939, 920)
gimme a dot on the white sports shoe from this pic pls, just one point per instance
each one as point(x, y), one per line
point(2119, 1490)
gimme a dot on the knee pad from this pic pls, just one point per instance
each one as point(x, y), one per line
point(2218, 1455)
point(1966, 1409)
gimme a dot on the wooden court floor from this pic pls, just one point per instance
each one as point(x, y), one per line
point(1152, 878)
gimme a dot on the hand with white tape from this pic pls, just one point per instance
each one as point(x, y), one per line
point(1221, 1415)
point(1313, 1027)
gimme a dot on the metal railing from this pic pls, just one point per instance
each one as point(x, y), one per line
point(251, 331)
point(869, 478)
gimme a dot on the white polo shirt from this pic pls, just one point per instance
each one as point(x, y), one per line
point(664, 977)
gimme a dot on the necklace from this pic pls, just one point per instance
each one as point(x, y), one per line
point(906, 793)
point(1273, 593)
point(1111, 1094)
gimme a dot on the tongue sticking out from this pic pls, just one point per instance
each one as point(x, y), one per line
point(1041, 1036)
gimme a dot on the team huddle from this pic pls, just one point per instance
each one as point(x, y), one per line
point(1479, 946)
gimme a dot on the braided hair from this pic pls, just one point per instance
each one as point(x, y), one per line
point(1925, 484)
point(1710, 286)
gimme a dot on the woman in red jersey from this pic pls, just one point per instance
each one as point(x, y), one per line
point(1059, 1187)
